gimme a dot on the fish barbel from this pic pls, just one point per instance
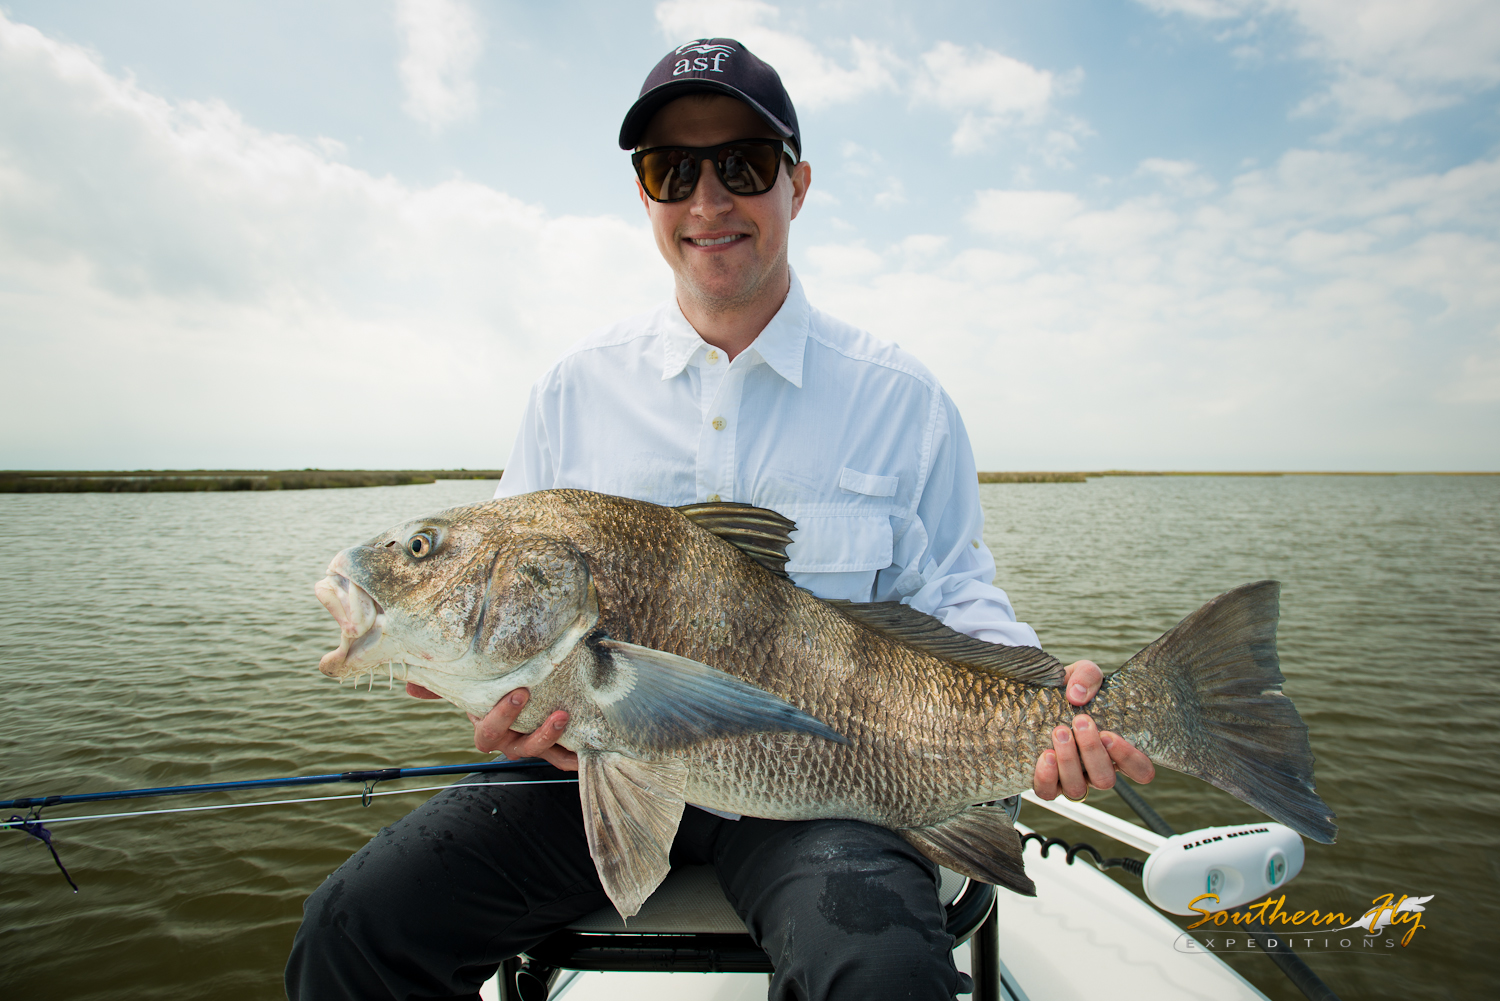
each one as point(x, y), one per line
point(694, 671)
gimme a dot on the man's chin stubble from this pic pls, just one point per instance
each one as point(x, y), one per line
point(729, 296)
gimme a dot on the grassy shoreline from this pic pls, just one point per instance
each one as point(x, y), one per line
point(1083, 477)
point(199, 480)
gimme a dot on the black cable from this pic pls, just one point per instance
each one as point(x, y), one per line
point(1142, 809)
point(1133, 866)
point(1296, 969)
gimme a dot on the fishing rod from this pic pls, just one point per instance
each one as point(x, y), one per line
point(32, 826)
point(368, 776)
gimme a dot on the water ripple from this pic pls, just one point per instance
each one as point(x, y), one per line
point(167, 638)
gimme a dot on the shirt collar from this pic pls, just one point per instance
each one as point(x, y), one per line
point(780, 345)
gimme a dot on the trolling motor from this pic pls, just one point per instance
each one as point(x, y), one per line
point(1236, 864)
point(1224, 866)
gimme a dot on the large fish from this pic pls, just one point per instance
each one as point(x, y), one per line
point(695, 671)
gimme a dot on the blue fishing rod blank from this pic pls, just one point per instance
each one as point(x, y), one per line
point(367, 776)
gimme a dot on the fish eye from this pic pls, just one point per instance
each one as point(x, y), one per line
point(420, 545)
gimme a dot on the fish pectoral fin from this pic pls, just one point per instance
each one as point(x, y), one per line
point(664, 702)
point(631, 809)
point(980, 843)
point(927, 633)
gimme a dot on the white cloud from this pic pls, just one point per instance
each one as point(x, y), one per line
point(177, 286)
point(845, 260)
point(813, 77)
point(1390, 59)
point(865, 171)
point(440, 45)
point(1031, 215)
point(985, 81)
point(1182, 176)
point(1327, 311)
point(1480, 382)
point(988, 89)
point(894, 193)
point(1213, 9)
point(228, 296)
point(923, 246)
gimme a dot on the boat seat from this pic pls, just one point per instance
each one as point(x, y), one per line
point(690, 901)
point(688, 926)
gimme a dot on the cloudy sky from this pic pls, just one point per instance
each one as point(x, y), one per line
point(1181, 234)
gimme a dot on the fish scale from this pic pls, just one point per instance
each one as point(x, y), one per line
point(694, 670)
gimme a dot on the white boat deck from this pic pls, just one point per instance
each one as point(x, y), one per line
point(1083, 936)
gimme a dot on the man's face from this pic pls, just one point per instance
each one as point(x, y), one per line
point(752, 260)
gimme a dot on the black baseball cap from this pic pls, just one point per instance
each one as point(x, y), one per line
point(713, 66)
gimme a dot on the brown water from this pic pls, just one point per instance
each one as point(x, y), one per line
point(165, 639)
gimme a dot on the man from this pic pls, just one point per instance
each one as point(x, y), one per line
point(737, 389)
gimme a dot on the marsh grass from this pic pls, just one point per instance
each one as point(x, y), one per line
point(1084, 477)
point(1032, 477)
point(195, 480)
point(142, 481)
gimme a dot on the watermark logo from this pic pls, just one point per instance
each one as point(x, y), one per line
point(708, 57)
point(1383, 915)
point(1270, 924)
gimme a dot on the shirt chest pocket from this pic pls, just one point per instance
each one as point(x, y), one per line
point(845, 537)
point(840, 543)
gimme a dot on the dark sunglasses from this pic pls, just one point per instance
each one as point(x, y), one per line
point(745, 166)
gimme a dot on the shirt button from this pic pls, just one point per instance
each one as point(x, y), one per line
point(713, 498)
point(976, 543)
point(719, 424)
point(713, 357)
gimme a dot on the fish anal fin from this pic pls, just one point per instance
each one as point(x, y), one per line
point(980, 843)
point(658, 701)
point(631, 809)
point(1027, 664)
point(758, 532)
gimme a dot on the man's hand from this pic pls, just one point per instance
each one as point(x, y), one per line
point(492, 732)
point(1084, 751)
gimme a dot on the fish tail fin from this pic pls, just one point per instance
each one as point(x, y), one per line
point(1229, 722)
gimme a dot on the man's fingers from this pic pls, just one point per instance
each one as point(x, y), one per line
point(1131, 761)
point(1044, 779)
point(1069, 771)
point(1082, 680)
point(1097, 764)
point(492, 732)
point(532, 745)
point(561, 758)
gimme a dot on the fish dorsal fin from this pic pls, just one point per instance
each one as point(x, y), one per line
point(758, 532)
point(1026, 664)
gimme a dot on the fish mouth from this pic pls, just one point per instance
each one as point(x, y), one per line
point(360, 617)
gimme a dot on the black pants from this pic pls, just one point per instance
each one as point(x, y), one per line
point(434, 902)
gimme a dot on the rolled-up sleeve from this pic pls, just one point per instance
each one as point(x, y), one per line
point(942, 565)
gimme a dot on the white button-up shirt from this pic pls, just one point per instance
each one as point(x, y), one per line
point(847, 435)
